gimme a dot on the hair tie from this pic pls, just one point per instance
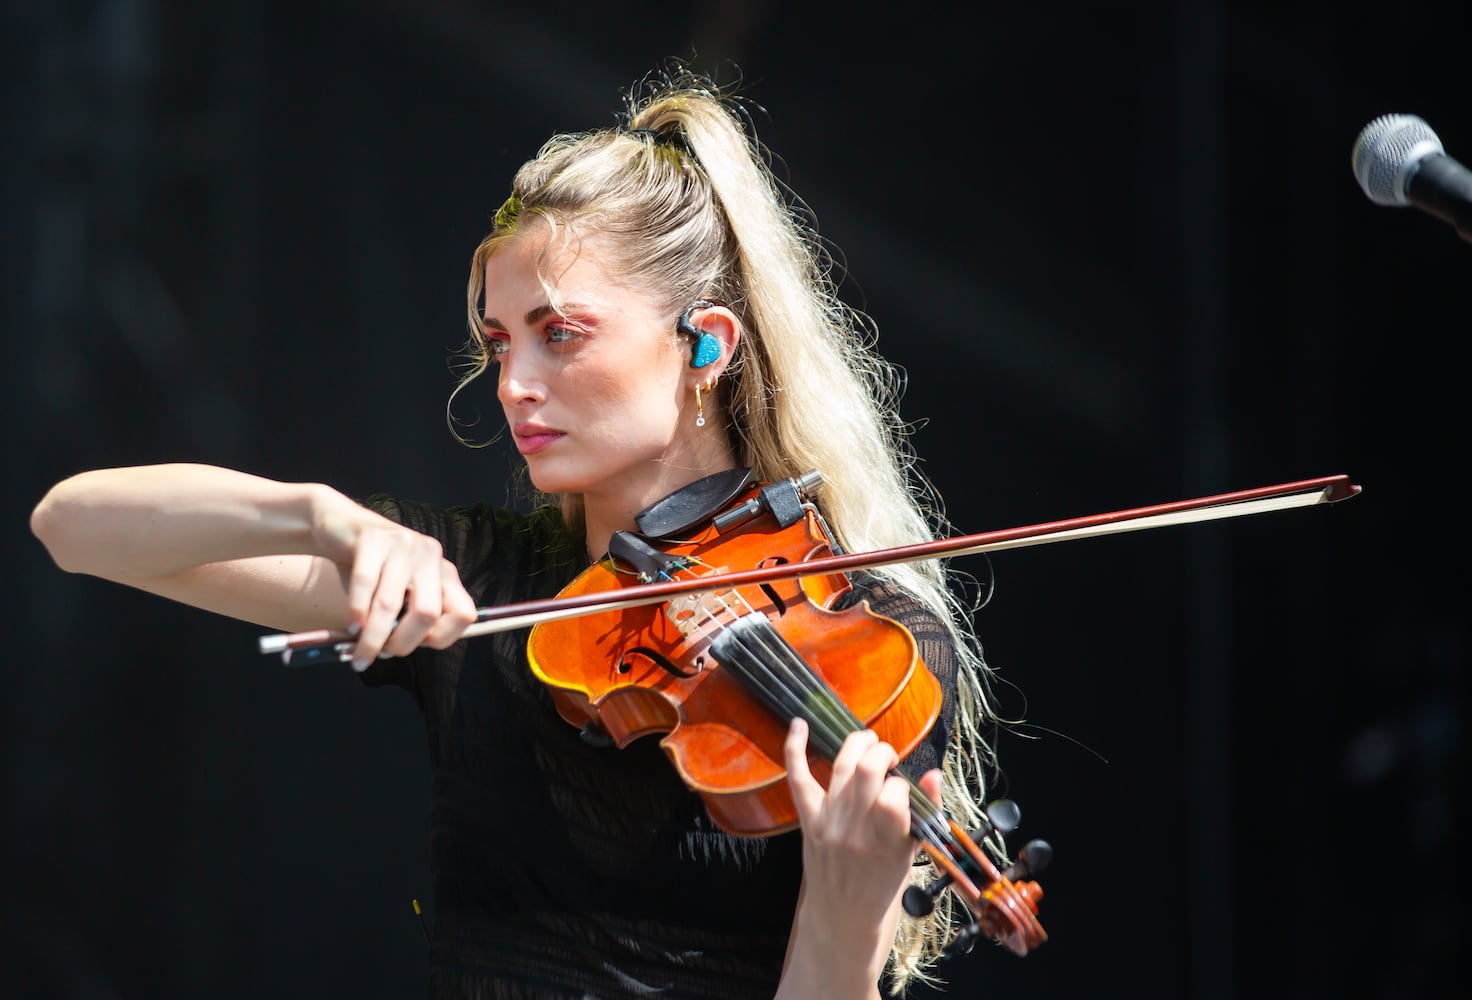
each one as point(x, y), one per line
point(676, 141)
point(507, 213)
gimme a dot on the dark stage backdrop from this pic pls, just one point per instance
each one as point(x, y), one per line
point(1119, 250)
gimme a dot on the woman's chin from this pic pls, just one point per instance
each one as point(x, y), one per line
point(548, 478)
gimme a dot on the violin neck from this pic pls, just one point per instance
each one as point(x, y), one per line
point(776, 673)
point(768, 666)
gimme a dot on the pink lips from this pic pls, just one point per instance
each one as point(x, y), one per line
point(532, 438)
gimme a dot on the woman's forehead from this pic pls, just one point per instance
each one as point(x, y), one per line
point(548, 267)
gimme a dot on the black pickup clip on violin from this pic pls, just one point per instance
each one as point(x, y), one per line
point(714, 624)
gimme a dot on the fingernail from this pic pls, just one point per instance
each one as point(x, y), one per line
point(354, 628)
point(361, 664)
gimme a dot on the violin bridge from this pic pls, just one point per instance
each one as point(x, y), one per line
point(693, 613)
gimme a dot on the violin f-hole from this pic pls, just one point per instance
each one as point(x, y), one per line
point(768, 589)
point(626, 661)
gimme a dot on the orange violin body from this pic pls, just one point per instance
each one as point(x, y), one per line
point(651, 669)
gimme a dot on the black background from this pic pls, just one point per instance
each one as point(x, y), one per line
point(1118, 249)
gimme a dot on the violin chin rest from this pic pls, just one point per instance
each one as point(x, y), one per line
point(692, 505)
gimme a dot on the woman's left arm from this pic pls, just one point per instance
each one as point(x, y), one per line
point(857, 852)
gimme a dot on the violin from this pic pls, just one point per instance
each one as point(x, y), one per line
point(723, 672)
point(714, 624)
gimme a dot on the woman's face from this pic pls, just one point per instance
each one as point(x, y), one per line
point(596, 396)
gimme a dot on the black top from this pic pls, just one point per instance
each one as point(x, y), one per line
point(565, 869)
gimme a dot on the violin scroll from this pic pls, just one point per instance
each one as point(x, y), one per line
point(1003, 904)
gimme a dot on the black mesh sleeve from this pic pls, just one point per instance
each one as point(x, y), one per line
point(937, 651)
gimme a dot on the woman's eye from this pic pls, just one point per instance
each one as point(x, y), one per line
point(560, 335)
point(496, 347)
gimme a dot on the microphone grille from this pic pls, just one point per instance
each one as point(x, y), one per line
point(1388, 152)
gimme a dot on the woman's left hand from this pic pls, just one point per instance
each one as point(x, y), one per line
point(857, 852)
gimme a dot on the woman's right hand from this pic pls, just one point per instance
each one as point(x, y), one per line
point(401, 591)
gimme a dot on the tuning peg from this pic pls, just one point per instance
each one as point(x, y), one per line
point(918, 901)
point(963, 942)
point(1004, 815)
point(1033, 858)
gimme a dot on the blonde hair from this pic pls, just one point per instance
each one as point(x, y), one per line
point(687, 207)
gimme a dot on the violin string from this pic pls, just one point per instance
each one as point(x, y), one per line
point(777, 672)
point(786, 698)
point(828, 718)
point(926, 814)
point(927, 824)
point(793, 684)
point(790, 685)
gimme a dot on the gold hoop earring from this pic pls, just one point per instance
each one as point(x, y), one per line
point(708, 385)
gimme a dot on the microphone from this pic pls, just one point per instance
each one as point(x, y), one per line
point(1398, 160)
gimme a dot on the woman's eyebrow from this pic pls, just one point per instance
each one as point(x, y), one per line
point(533, 316)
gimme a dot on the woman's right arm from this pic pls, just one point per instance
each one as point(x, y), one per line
point(291, 556)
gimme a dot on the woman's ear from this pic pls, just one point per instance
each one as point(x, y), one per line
point(717, 332)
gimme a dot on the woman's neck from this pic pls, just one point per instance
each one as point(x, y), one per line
point(604, 514)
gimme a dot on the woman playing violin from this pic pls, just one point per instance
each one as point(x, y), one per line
point(653, 311)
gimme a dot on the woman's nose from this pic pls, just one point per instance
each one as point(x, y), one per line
point(519, 380)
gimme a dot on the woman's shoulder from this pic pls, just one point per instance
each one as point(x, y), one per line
point(472, 532)
point(481, 515)
point(887, 598)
